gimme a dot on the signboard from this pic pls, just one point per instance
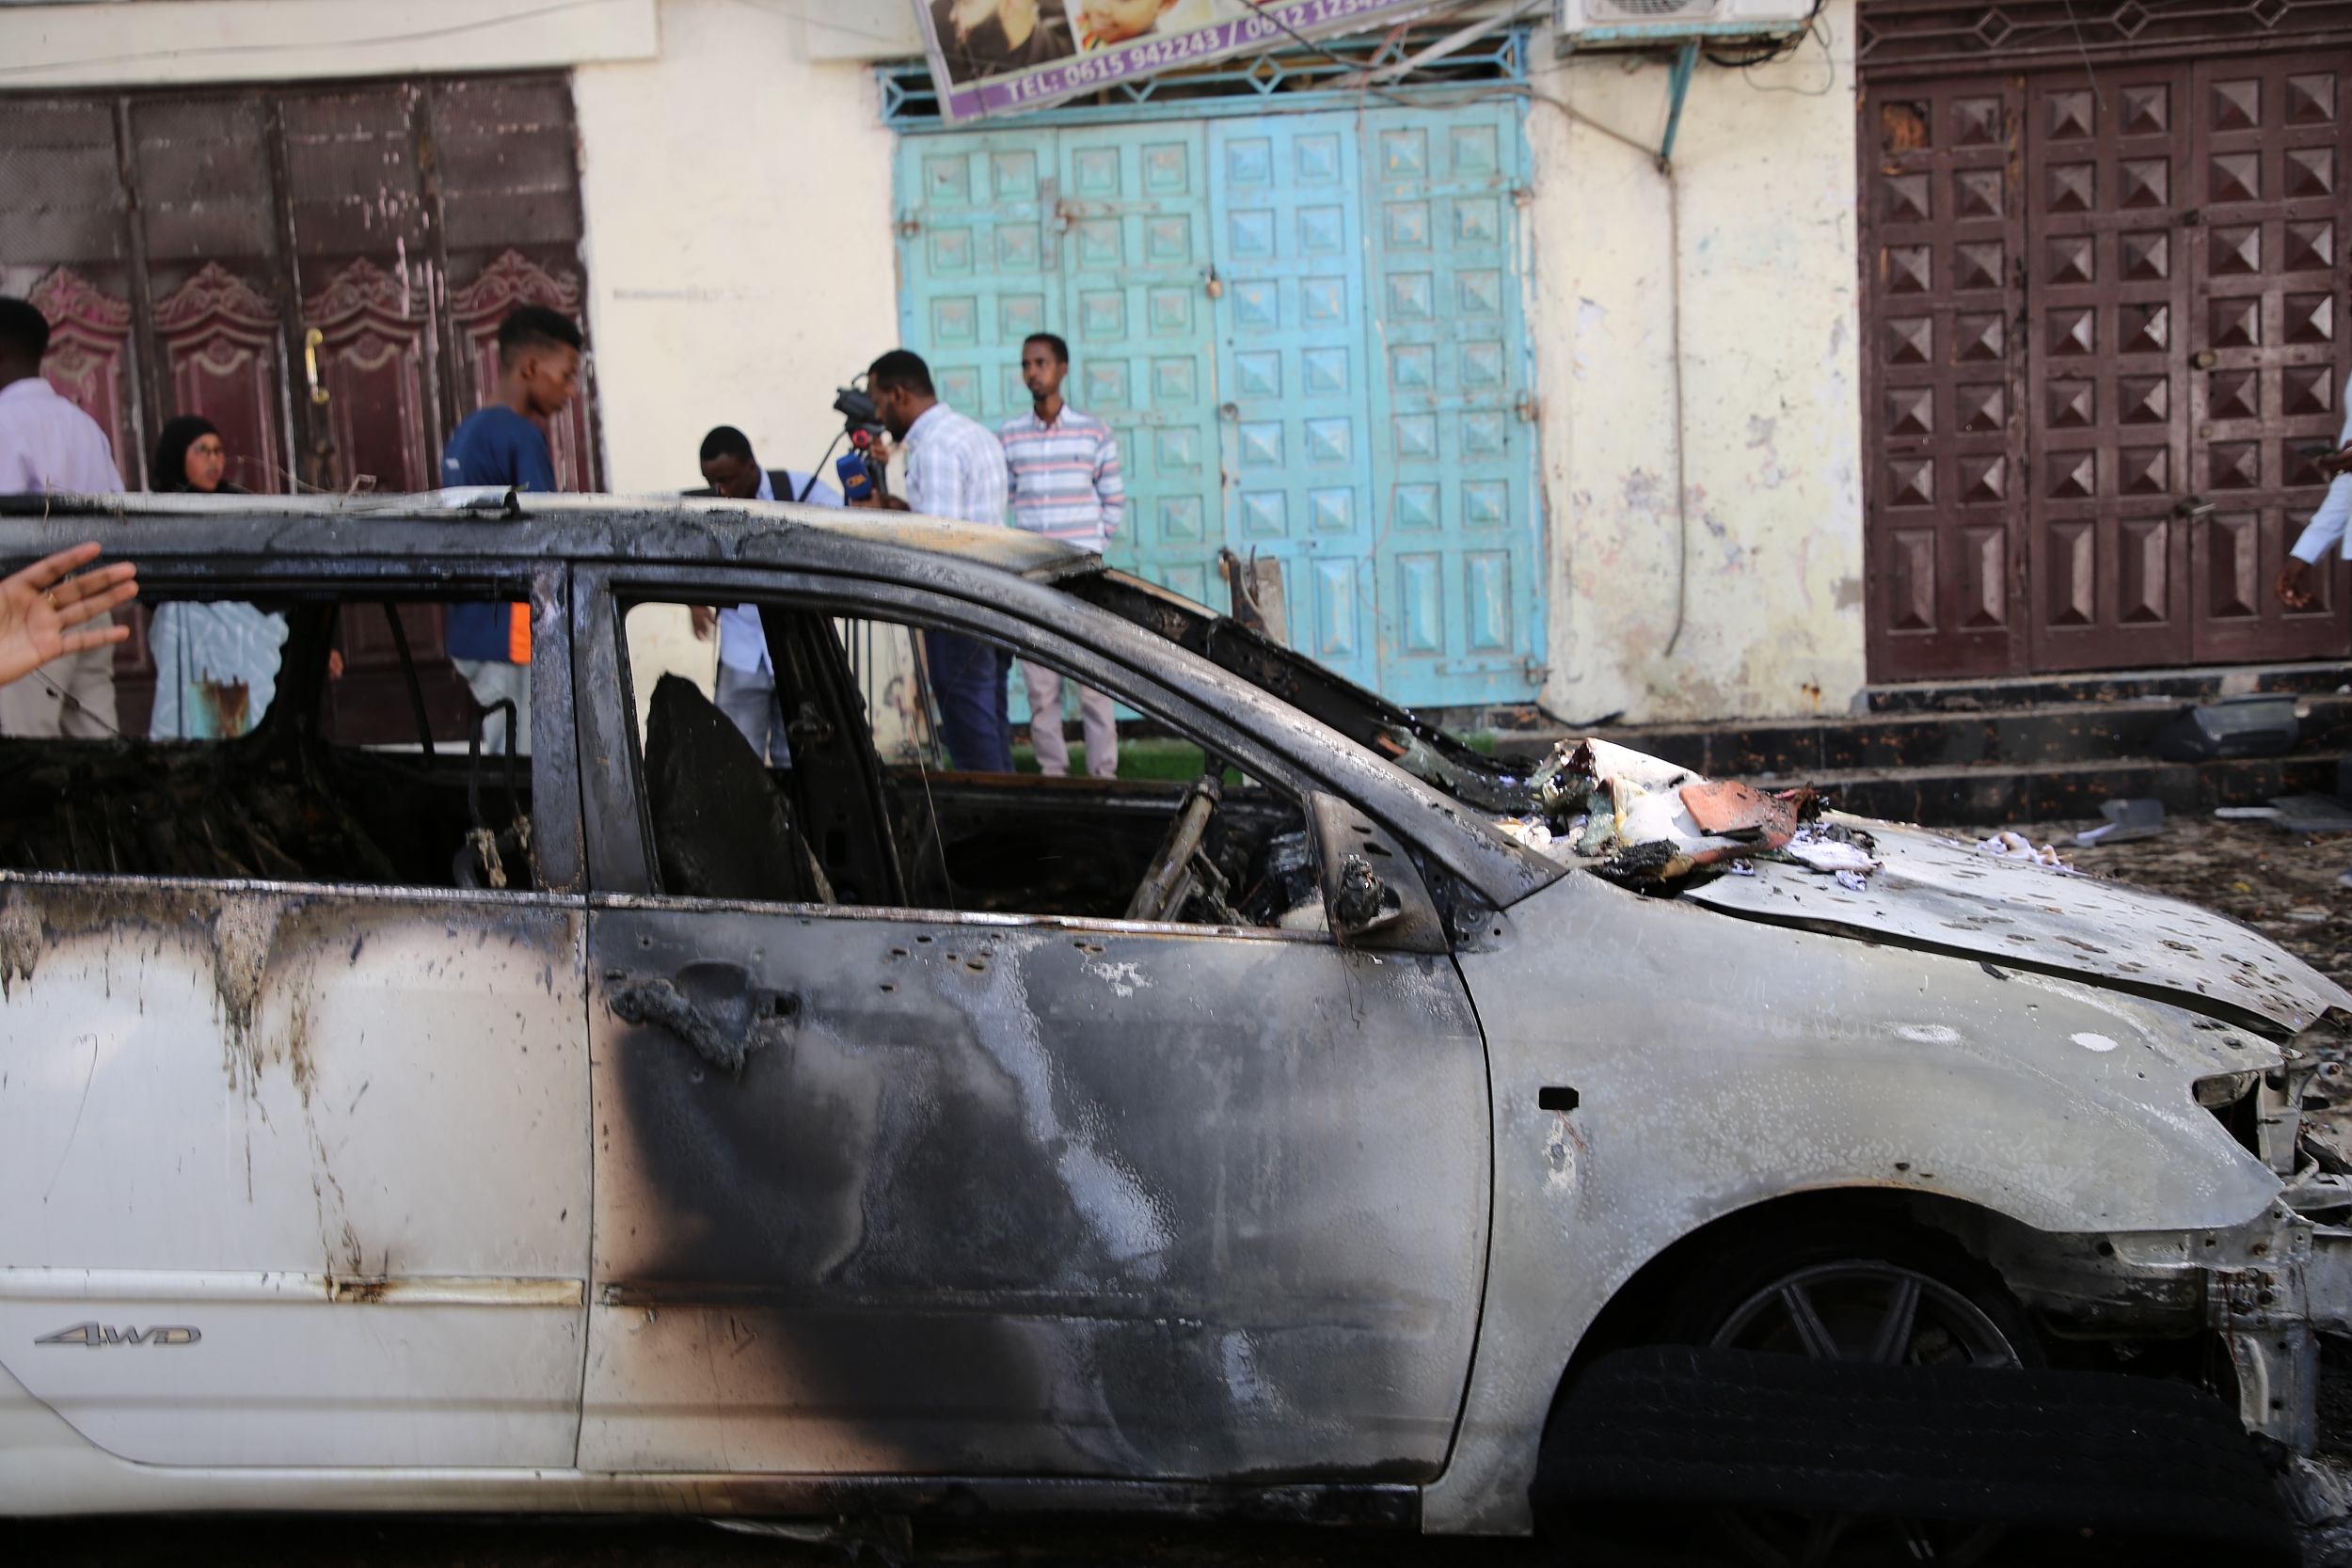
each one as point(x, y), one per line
point(1002, 57)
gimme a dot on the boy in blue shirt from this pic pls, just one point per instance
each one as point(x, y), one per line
point(498, 444)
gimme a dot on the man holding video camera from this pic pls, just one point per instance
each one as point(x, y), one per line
point(955, 468)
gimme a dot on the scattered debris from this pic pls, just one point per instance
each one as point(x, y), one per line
point(2314, 1493)
point(2126, 821)
point(2010, 844)
point(2305, 814)
point(2260, 725)
point(1825, 853)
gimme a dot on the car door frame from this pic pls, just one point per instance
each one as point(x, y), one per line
point(278, 952)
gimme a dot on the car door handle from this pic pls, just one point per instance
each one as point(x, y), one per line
point(713, 1007)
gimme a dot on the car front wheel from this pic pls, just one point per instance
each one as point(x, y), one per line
point(1888, 1296)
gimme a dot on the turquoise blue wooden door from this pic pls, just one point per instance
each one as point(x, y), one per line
point(1135, 211)
point(976, 261)
point(1350, 397)
point(1287, 208)
point(1454, 459)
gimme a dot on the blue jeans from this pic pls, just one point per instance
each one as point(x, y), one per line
point(968, 683)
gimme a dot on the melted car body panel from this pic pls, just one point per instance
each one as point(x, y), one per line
point(304, 1167)
point(1791, 1060)
point(1938, 893)
point(1004, 1196)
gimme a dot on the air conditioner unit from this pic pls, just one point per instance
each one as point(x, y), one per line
point(1649, 23)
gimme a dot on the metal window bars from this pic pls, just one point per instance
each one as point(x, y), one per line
point(1318, 76)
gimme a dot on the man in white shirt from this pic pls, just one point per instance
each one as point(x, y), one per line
point(955, 468)
point(2325, 529)
point(49, 447)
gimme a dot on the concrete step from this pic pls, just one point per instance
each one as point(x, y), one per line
point(2066, 791)
point(2014, 737)
point(2204, 684)
point(1984, 758)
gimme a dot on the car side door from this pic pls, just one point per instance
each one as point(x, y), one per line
point(293, 1155)
point(887, 1189)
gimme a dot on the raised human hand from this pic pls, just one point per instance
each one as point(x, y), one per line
point(40, 605)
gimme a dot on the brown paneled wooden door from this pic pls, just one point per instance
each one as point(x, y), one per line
point(2268, 372)
point(2106, 305)
point(2094, 459)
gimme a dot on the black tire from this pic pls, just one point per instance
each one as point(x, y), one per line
point(1856, 1275)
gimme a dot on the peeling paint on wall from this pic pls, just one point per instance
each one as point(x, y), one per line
point(1769, 526)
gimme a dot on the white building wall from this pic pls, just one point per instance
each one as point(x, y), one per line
point(738, 208)
point(1773, 619)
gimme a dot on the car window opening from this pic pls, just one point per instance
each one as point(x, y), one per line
point(301, 740)
point(856, 801)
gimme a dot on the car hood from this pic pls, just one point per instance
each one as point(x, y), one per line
point(1938, 894)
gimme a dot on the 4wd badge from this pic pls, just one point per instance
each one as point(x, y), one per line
point(97, 1335)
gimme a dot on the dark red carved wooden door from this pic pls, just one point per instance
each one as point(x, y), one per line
point(213, 274)
point(362, 259)
point(185, 246)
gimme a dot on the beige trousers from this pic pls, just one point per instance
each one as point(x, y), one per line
point(1099, 721)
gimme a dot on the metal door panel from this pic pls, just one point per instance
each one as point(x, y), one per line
point(1448, 378)
point(980, 259)
point(1134, 216)
point(1296, 437)
point(1005, 1196)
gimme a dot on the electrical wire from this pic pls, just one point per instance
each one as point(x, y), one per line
point(1770, 50)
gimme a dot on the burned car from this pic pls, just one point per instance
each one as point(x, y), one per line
point(618, 1119)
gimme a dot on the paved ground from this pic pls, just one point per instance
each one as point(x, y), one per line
point(2285, 886)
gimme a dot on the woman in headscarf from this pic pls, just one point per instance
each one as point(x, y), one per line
point(190, 456)
point(216, 664)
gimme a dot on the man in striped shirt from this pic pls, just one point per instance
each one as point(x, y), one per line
point(1064, 468)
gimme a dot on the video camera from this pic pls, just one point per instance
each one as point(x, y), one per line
point(860, 475)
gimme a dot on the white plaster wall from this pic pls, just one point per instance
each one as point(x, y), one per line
point(1773, 619)
point(739, 251)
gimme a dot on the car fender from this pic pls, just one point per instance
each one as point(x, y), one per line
point(1713, 1063)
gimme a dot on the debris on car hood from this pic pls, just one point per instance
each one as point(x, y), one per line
point(1647, 823)
point(1783, 859)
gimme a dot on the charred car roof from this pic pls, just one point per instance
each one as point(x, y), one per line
point(1445, 779)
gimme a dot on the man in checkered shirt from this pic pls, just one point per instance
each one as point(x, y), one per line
point(1065, 485)
point(954, 469)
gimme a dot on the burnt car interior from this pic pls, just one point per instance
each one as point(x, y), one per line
point(1380, 726)
point(370, 772)
point(839, 823)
